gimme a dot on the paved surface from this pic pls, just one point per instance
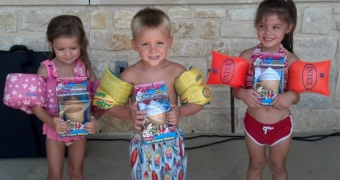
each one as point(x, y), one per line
point(319, 160)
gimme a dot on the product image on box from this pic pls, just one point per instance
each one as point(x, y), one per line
point(268, 78)
point(74, 104)
point(153, 99)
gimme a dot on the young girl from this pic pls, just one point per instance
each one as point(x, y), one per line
point(69, 58)
point(275, 22)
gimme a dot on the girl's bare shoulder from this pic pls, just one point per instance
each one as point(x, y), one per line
point(246, 54)
point(91, 74)
point(291, 57)
point(42, 70)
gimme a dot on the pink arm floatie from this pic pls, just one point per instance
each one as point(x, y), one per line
point(23, 91)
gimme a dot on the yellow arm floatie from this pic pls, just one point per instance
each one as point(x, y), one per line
point(103, 100)
point(191, 77)
point(111, 91)
point(191, 89)
point(197, 94)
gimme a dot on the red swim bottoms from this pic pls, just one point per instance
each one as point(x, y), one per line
point(270, 134)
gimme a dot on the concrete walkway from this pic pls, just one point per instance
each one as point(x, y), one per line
point(319, 160)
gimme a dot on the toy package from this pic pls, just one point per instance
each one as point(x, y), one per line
point(154, 100)
point(268, 78)
point(74, 104)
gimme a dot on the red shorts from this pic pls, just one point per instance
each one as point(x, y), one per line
point(270, 134)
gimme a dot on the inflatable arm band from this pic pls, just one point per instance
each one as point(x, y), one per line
point(309, 77)
point(111, 91)
point(197, 94)
point(189, 86)
point(23, 91)
point(228, 70)
point(191, 77)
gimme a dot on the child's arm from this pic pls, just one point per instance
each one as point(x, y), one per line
point(97, 113)
point(91, 75)
point(189, 109)
point(238, 93)
point(295, 97)
point(248, 96)
point(120, 112)
point(286, 99)
point(41, 113)
point(132, 112)
point(182, 111)
point(55, 122)
point(92, 125)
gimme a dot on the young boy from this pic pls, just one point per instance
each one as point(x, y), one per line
point(152, 40)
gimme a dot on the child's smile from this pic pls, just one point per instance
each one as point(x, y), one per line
point(152, 45)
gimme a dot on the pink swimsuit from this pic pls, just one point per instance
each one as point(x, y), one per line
point(51, 98)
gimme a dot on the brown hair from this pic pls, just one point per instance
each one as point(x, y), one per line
point(285, 10)
point(150, 18)
point(69, 26)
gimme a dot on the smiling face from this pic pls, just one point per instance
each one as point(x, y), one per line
point(271, 31)
point(67, 49)
point(152, 45)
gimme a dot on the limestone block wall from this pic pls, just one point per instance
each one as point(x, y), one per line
point(198, 27)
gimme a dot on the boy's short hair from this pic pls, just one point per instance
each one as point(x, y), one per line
point(150, 18)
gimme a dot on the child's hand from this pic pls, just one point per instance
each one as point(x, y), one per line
point(137, 116)
point(59, 126)
point(173, 115)
point(250, 97)
point(282, 101)
point(92, 126)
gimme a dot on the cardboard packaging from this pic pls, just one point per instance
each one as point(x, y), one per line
point(74, 104)
point(153, 99)
point(268, 77)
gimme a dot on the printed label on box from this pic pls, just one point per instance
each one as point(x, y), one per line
point(268, 78)
point(154, 100)
point(74, 104)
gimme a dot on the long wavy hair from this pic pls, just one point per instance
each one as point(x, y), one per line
point(285, 10)
point(69, 26)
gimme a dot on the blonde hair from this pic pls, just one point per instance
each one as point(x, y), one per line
point(149, 18)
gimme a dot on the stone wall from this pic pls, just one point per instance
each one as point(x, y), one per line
point(197, 29)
